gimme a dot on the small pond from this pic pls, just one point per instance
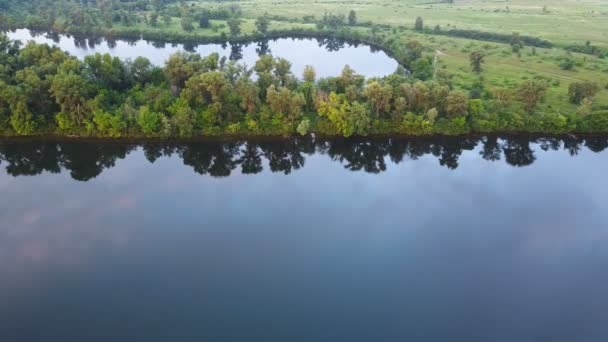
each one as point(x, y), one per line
point(327, 56)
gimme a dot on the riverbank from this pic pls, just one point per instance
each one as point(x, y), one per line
point(193, 96)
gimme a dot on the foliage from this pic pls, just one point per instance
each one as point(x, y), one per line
point(44, 91)
point(476, 59)
point(303, 127)
point(578, 91)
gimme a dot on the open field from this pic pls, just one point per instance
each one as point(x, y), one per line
point(562, 22)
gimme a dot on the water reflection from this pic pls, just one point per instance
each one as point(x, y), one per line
point(327, 55)
point(86, 160)
point(464, 239)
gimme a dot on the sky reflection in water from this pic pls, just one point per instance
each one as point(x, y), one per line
point(435, 243)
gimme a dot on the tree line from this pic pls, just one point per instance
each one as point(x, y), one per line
point(44, 90)
point(85, 161)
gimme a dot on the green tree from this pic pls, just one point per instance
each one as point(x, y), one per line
point(282, 69)
point(423, 69)
point(419, 26)
point(531, 92)
point(203, 22)
point(140, 70)
point(234, 25)
point(309, 74)
point(109, 125)
point(262, 24)
point(303, 127)
point(283, 101)
point(106, 71)
point(578, 91)
point(180, 67)
point(352, 18)
point(182, 117)
point(457, 104)
point(249, 94)
point(264, 67)
point(476, 59)
point(379, 97)
point(187, 24)
point(308, 87)
point(22, 120)
point(149, 122)
point(154, 19)
point(347, 118)
point(167, 19)
point(516, 43)
point(71, 92)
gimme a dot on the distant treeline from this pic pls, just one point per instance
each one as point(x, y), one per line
point(493, 37)
point(589, 49)
point(87, 160)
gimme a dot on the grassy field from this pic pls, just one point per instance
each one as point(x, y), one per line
point(502, 68)
point(561, 21)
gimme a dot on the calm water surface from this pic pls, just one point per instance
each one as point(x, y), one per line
point(327, 56)
point(381, 240)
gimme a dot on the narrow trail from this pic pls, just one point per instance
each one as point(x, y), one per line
point(544, 72)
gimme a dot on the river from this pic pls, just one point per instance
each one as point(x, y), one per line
point(442, 239)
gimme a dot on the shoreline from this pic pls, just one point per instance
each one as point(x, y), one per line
point(252, 137)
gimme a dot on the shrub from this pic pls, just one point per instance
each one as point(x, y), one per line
point(476, 107)
point(596, 122)
point(413, 124)
point(149, 122)
point(303, 127)
point(109, 125)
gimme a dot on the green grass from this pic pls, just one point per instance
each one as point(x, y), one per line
point(565, 22)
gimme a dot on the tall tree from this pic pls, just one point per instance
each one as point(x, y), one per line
point(235, 26)
point(456, 104)
point(379, 97)
point(531, 92)
point(419, 24)
point(71, 91)
point(476, 59)
point(262, 23)
point(352, 18)
point(578, 91)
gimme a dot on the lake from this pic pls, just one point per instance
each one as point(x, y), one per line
point(442, 239)
point(327, 56)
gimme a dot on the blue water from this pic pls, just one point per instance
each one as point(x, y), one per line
point(301, 240)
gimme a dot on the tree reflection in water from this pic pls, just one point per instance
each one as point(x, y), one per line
point(87, 160)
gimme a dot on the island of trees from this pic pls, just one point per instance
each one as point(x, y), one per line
point(44, 91)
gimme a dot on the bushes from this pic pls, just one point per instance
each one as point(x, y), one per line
point(149, 122)
point(596, 122)
point(578, 91)
point(108, 125)
point(453, 126)
point(413, 124)
point(553, 123)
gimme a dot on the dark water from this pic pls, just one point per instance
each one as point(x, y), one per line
point(381, 240)
point(327, 56)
